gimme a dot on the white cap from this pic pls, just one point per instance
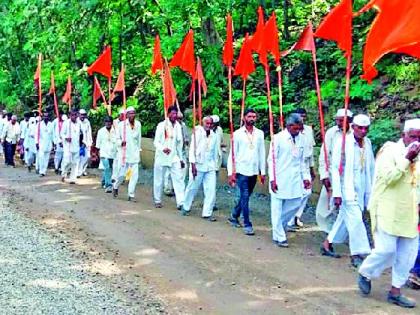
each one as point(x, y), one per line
point(64, 117)
point(361, 120)
point(412, 124)
point(130, 109)
point(32, 120)
point(215, 118)
point(121, 111)
point(342, 113)
point(82, 112)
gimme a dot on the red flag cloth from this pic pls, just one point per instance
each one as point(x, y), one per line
point(67, 95)
point(97, 93)
point(102, 65)
point(157, 64)
point(120, 85)
point(337, 26)
point(37, 75)
point(271, 34)
point(305, 42)
point(396, 29)
point(168, 88)
point(200, 77)
point(228, 47)
point(258, 39)
point(184, 57)
point(245, 64)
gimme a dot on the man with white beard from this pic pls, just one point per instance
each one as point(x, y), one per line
point(71, 133)
point(30, 144)
point(203, 159)
point(44, 143)
point(86, 144)
point(58, 141)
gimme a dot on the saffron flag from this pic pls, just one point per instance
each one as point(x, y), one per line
point(67, 95)
point(157, 64)
point(396, 29)
point(305, 42)
point(245, 64)
point(258, 39)
point(97, 93)
point(200, 77)
point(271, 39)
point(168, 88)
point(228, 47)
point(337, 26)
point(37, 75)
point(120, 85)
point(184, 57)
point(102, 65)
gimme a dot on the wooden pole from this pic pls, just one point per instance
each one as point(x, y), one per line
point(243, 101)
point(232, 146)
point(280, 83)
point(346, 108)
point(270, 117)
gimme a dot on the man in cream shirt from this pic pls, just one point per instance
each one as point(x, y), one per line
point(203, 158)
point(249, 152)
point(169, 157)
point(71, 134)
point(395, 214)
point(106, 142)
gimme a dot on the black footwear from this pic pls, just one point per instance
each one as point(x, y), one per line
point(29, 169)
point(364, 284)
point(234, 222)
point(179, 208)
point(215, 208)
point(115, 193)
point(73, 183)
point(400, 300)
point(158, 205)
point(42, 175)
point(132, 199)
point(210, 218)
point(356, 261)
point(283, 244)
point(291, 229)
point(185, 212)
point(330, 252)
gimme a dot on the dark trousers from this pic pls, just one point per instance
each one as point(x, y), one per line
point(246, 185)
point(9, 153)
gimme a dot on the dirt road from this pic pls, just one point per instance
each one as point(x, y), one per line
point(191, 265)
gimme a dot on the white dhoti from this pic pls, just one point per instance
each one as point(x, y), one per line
point(303, 203)
point(391, 251)
point(282, 210)
point(58, 157)
point(350, 216)
point(167, 184)
point(325, 214)
point(83, 162)
point(177, 176)
point(133, 168)
point(43, 159)
point(116, 165)
point(70, 165)
point(29, 157)
point(208, 179)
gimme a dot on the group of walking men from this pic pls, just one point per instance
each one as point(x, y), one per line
point(352, 181)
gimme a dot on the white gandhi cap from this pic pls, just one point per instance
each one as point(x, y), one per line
point(412, 124)
point(82, 111)
point(131, 109)
point(361, 120)
point(215, 118)
point(342, 113)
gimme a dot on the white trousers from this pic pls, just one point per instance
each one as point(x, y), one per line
point(58, 157)
point(44, 158)
point(208, 179)
point(302, 207)
point(325, 214)
point(116, 165)
point(131, 189)
point(29, 157)
point(70, 165)
point(177, 176)
point(282, 210)
point(350, 216)
point(167, 183)
point(391, 251)
point(83, 162)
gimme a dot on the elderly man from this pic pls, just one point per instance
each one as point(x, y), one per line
point(394, 214)
point(169, 157)
point(30, 144)
point(352, 173)
point(116, 164)
point(249, 150)
point(71, 133)
point(129, 141)
point(203, 158)
point(44, 141)
point(289, 176)
point(221, 148)
point(325, 214)
point(10, 138)
point(57, 125)
point(106, 142)
point(86, 144)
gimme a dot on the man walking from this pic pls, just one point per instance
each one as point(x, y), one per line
point(394, 214)
point(129, 139)
point(106, 142)
point(169, 157)
point(289, 176)
point(72, 135)
point(30, 144)
point(249, 150)
point(10, 138)
point(44, 143)
point(86, 144)
point(203, 158)
point(57, 126)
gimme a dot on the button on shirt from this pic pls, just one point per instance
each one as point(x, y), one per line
point(249, 153)
point(206, 155)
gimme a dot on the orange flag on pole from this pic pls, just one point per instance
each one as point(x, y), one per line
point(305, 41)
point(200, 77)
point(245, 64)
point(337, 26)
point(228, 47)
point(271, 38)
point(52, 92)
point(168, 88)
point(258, 39)
point(157, 64)
point(97, 93)
point(102, 65)
point(67, 95)
point(120, 85)
point(37, 75)
point(184, 56)
point(396, 29)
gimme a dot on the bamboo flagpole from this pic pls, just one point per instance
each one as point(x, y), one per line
point(271, 121)
point(232, 142)
point(346, 108)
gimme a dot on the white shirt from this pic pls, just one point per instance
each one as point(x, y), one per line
point(169, 136)
point(11, 133)
point(132, 137)
point(219, 134)
point(249, 152)
point(29, 141)
point(43, 136)
point(87, 132)
point(56, 131)
point(71, 130)
point(206, 154)
point(106, 142)
point(24, 125)
point(290, 166)
point(309, 143)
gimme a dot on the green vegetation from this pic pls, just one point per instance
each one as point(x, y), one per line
point(71, 34)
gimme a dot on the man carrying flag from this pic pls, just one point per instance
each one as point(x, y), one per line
point(44, 143)
point(58, 141)
point(72, 135)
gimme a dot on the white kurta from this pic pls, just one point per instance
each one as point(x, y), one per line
point(29, 143)
point(205, 159)
point(24, 125)
point(87, 141)
point(44, 140)
point(58, 143)
point(11, 133)
point(70, 133)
